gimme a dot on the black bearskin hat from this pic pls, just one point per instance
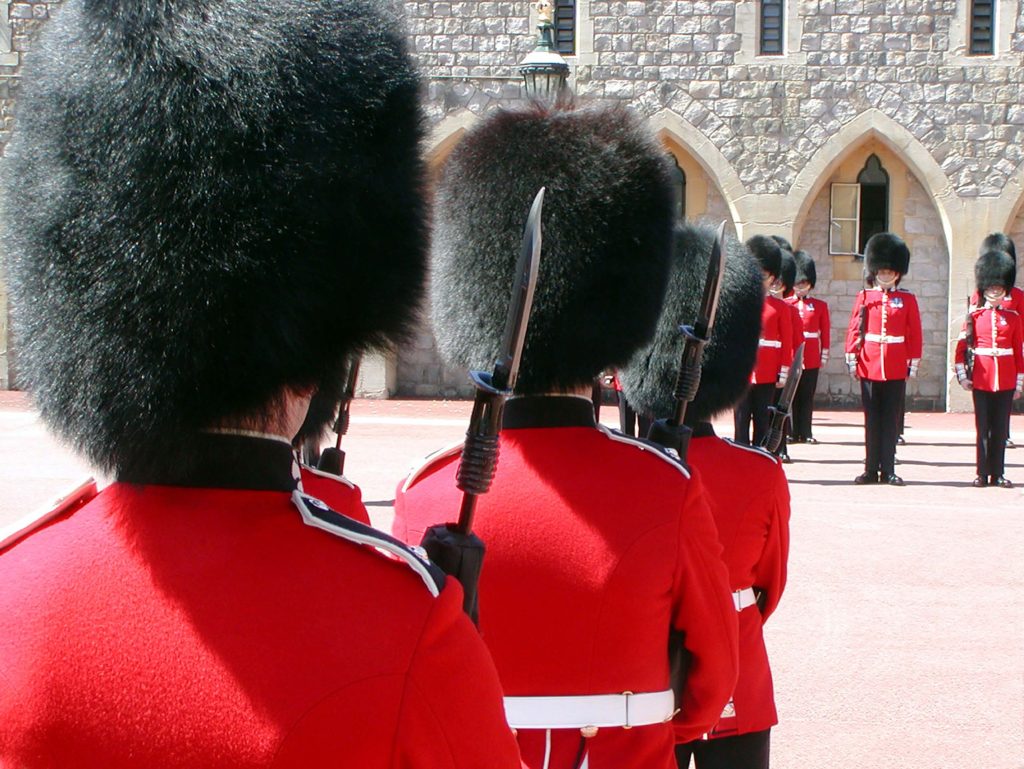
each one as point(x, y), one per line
point(784, 244)
point(998, 241)
point(805, 269)
point(649, 380)
point(883, 251)
point(787, 271)
point(207, 203)
point(607, 241)
point(994, 268)
point(768, 253)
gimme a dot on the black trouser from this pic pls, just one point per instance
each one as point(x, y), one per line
point(882, 401)
point(629, 420)
point(903, 412)
point(744, 751)
point(755, 404)
point(803, 404)
point(992, 421)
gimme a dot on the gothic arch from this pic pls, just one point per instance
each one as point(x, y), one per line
point(1007, 206)
point(669, 125)
point(446, 135)
point(874, 124)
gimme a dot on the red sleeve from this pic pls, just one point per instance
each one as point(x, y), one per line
point(914, 334)
point(770, 575)
point(1018, 345)
point(452, 714)
point(705, 613)
point(826, 327)
point(853, 332)
point(399, 524)
point(798, 329)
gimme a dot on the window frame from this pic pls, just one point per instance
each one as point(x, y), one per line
point(973, 24)
point(834, 225)
point(762, 30)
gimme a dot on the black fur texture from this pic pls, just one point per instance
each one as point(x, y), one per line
point(607, 240)
point(767, 252)
point(787, 272)
point(648, 382)
point(1000, 241)
point(207, 201)
point(884, 250)
point(805, 269)
point(994, 268)
point(784, 244)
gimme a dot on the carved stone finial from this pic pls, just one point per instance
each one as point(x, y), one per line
point(545, 11)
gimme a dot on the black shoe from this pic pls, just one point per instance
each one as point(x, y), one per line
point(797, 439)
point(785, 459)
point(812, 441)
point(865, 478)
point(1002, 482)
point(980, 482)
point(894, 480)
point(901, 441)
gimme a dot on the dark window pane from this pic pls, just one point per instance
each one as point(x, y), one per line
point(772, 27)
point(874, 200)
point(565, 27)
point(982, 27)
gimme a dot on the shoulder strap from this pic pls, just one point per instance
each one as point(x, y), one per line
point(22, 527)
point(655, 449)
point(429, 461)
point(764, 453)
point(317, 514)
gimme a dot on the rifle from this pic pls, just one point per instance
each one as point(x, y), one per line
point(863, 327)
point(780, 411)
point(971, 340)
point(332, 460)
point(673, 433)
point(453, 546)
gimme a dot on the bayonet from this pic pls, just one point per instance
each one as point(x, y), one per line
point(454, 547)
point(780, 411)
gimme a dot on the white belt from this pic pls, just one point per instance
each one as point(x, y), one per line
point(812, 335)
point(769, 343)
point(884, 338)
point(626, 709)
point(743, 598)
point(997, 352)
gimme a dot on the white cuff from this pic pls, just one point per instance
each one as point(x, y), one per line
point(961, 372)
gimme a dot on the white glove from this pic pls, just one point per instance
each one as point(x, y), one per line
point(851, 363)
point(783, 376)
point(914, 363)
point(824, 358)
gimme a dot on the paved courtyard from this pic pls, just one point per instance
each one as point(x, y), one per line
point(900, 640)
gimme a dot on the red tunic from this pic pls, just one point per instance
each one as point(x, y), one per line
point(597, 544)
point(753, 525)
point(815, 329)
point(892, 344)
point(775, 348)
point(998, 345)
point(167, 626)
point(337, 491)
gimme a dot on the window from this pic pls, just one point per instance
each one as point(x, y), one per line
point(8, 57)
point(859, 210)
point(772, 32)
point(678, 187)
point(565, 27)
point(982, 32)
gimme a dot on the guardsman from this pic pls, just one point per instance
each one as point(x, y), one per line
point(775, 348)
point(883, 349)
point(599, 545)
point(782, 290)
point(752, 517)
point(201, 185)
point(816, 330)
point(1014, 300)
point(990, 364)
